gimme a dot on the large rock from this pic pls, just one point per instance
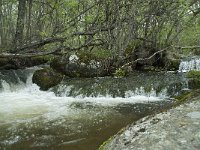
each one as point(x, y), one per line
point(46, 78)
point(175, 129)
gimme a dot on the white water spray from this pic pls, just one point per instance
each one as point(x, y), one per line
point(188, 65)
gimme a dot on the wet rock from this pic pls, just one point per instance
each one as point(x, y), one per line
point(46, 78)
point(194, 115)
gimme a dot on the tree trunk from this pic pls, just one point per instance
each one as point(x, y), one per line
point(29, 31)
point(1, 25)
point(18, 39)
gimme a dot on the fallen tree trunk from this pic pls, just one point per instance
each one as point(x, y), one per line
point(21, 61)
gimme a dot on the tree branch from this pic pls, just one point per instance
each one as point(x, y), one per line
point(145, 59)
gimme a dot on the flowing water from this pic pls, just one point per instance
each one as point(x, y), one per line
point(190, 64)
point(78, 114)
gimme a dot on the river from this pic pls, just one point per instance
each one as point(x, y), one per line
point(78, 114)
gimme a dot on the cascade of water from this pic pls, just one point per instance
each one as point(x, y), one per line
point(5, 86)
point(188, 65)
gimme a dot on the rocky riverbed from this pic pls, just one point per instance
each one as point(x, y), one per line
point(175, 129)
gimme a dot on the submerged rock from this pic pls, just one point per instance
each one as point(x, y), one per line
point(46, 78)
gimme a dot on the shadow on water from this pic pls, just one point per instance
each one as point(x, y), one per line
point(78, 114)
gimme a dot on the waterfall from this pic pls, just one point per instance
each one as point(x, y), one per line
point(143, 85)
point(191, 64)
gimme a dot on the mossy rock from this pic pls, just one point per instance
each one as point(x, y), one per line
point(173, 64)
point(187, 96)
point(183, 97)
point(46, 78)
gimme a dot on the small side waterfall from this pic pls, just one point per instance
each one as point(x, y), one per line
point(191, 64)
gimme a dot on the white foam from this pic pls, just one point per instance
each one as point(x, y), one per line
point(30, 102)
point(25, 100)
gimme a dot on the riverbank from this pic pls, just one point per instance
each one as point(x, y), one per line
point(177, 128)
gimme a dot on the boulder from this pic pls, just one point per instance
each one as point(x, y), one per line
point(46, 78)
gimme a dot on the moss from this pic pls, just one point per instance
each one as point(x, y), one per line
point(120, 73)
point(95, 54)
point(43, 58)
point(187, 96)
point(101, 53)
point(193, 74)
point(102, 146)
point(183, 97)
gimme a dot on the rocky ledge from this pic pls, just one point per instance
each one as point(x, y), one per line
point(175, 129)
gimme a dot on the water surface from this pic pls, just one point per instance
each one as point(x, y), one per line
point(78, 114)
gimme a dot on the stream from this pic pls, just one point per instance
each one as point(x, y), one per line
point(78, 114)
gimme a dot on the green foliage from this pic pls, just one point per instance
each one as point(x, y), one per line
point(155, 22)
point(101, 53)
point(190, 36)
point(95, 54)
point(119, 73)
point(72, 3)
